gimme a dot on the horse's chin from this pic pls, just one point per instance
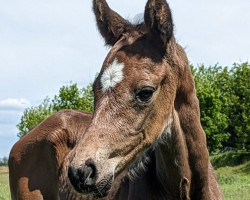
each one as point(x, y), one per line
point(99, 190)
point(102, 188)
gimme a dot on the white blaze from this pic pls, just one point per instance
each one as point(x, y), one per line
point(112, 75)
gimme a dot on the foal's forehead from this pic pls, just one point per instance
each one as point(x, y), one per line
point(124, 65)
point(112, 75)
point(128, 69)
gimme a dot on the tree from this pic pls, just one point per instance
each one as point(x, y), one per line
point(4, 161)
point(224, 96)
point(33, 116)
point(70, 97)
point(212, 102)
point(239, 111)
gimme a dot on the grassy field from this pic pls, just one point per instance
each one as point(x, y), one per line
point(234, 178)
point(4, 184)
point(233, 173)
point(235, 181)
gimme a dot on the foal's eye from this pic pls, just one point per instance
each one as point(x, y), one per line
point(145, 94)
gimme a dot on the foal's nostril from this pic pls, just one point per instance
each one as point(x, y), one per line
point(84, 178)
point(90, 173)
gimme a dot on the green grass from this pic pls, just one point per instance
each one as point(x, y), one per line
point(232, 170)
point(235, 181)
point(4, 184)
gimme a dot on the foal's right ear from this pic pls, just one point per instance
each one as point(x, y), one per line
point(158, 19)
point(110, 24)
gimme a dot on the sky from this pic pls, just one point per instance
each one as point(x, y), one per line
point(47, 44)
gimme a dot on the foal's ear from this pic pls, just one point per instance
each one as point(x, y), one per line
point(158, 20)
point(110, 24)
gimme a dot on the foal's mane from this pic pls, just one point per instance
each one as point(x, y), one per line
point(141, 164)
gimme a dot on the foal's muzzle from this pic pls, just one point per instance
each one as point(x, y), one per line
point(84, 178)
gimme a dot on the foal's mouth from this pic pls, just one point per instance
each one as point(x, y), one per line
point(102, 188)
point(99, 190)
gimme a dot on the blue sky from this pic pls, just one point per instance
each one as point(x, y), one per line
point(50, 43)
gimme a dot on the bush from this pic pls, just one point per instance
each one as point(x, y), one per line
point(231, 158)
point(4, 161)
point(70, 97)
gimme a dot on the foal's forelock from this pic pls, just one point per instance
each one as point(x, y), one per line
point(126, 39)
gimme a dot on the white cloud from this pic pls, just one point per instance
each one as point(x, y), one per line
point(14, 104)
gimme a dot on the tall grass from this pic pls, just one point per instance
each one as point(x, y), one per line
point(4, 184)
point(235, 181)
point(233, 174)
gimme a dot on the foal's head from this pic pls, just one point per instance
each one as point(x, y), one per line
point(134, 95)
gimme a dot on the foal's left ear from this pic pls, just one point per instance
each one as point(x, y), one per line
point(110, 24)
point(158, 19)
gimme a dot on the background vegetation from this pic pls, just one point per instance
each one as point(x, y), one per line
point(232, 171)
point(69, 97)
point(224, 95)
point(3, 161)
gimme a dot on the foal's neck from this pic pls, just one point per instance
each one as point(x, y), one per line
point(171, 160)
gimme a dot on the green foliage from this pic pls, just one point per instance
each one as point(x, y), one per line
point(230, 158)
point(239, 110)
point(70, 97)
point(224, 96)
point(33, 116)
point(213, 118)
